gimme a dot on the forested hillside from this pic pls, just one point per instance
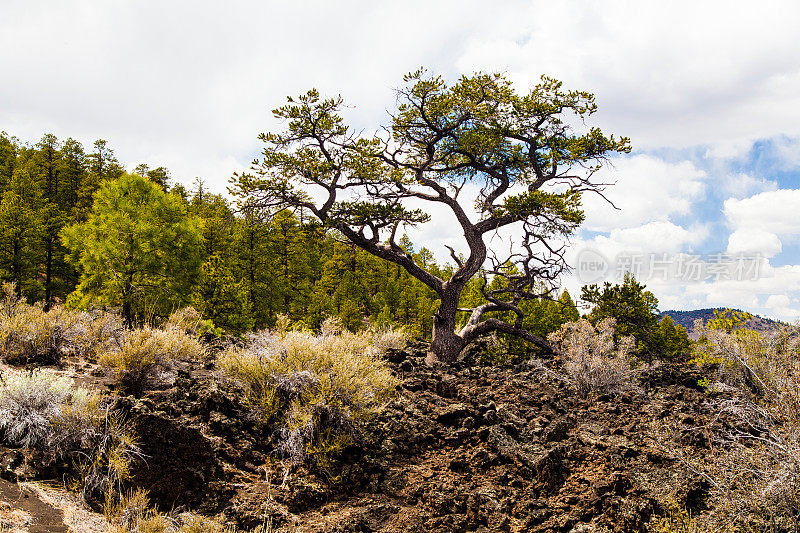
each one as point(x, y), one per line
point(61, 241)
point(687, 319)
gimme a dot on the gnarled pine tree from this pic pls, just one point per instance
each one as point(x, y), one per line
point(529, 164)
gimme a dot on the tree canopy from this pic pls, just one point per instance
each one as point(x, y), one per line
point(529, 165)
point(137, 249)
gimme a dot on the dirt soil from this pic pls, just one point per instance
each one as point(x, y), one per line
point(22, 509)
point(461, 448)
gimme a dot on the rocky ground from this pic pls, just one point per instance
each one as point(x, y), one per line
point(461, 448)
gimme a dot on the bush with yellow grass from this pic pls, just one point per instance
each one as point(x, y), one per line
point(31, 335)
point(133, 514)
point(315, 389)
point(145, 357)
point(95, 332)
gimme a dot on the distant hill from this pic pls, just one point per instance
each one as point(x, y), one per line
point(687, 318)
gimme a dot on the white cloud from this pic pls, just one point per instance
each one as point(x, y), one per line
point(197, 79)
point(659, 237)
point(754, 241)
point(645, 189)
point(777, 301)
point(772, 211)
point(683, 65)
point(741, 184)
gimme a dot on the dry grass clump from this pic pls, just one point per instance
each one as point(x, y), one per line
point(144, 357)
point(592, 360)
point(756, 471)
point(133, 514)
point(315, 388)
point(105, 463)
point(677, 520)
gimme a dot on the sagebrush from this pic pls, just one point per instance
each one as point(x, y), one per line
point(144, 357)
point(593, 360)
point(315, 388)
point(29, 335)
point(41, 410)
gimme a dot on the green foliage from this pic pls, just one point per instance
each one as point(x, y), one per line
point(670, 340)
point(138, 249)
point(635, 311)
point(19, 234)
point(729, 319)
point(545, 316)
point(706, 352)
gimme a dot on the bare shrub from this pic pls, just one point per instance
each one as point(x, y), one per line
point(592, 360)
point(10, 301)
point(315, 388)
point(144, 357)
point(332, 325)
point(390, 339)
point(755, 473)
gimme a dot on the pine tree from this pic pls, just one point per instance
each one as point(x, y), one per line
point(139, 249)
point(73, 169)
point(9, 148)
point(251, 243)
point(18, 240)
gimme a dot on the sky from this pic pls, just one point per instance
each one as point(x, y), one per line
point(708, 91)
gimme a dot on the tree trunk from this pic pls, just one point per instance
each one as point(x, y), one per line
point(127, 304)
point(127, 312)
point(446, 344)
point(48, 276)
